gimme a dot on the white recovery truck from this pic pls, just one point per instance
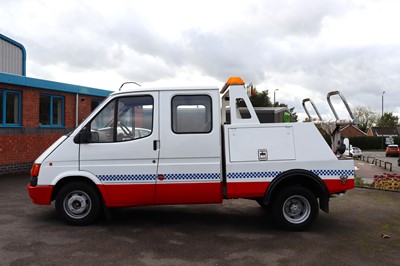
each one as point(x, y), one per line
point(175, 146)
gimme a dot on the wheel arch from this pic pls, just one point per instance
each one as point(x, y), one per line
point(303, 178)
point(68, 179)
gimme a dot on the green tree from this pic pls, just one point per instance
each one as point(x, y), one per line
point(257, 99)
point(388, 120)
point(366, 117)
point(260, 99)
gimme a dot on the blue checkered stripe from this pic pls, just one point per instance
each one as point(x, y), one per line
point(273, 174)
point(193, 177)
point(126, 178)
point(168, 177)
point(333, 172)
point(249, 175)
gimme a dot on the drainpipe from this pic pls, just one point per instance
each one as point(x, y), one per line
point(76, 110)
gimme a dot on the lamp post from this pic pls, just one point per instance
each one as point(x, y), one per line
point(275, 95)
point(382, 117)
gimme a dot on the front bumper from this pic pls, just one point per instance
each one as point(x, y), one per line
point(40, 194)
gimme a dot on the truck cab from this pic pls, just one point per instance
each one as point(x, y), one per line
point(175, 146)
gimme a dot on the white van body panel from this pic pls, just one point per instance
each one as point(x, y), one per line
point(286, 147)
point(276, 141)
point(63, 159)
point(189, 163)
point(68, 174)
point(189, 153)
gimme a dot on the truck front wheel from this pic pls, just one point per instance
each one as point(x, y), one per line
point(295, 208)
point(78, 203)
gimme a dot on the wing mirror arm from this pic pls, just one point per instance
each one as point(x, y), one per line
point(83, 136)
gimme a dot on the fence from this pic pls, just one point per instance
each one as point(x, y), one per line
point(377, 162)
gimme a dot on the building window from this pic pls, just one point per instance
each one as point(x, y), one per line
point(191, 114)
point(10, 108)
point(51, 111)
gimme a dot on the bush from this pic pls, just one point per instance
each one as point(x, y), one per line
point(358, 182)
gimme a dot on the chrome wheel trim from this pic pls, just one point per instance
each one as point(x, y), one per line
point(77, 204)
point(296, 209)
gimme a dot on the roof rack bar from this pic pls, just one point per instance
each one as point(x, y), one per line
point(333, 127)
point(332, 93)
point(313, 105)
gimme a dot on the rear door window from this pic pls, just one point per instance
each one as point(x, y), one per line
point(191, 114)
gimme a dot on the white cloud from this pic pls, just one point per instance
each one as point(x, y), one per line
point(303, 48)
point(374, 23)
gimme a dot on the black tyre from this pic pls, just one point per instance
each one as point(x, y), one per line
point(78, 203)
point(261, 203)
point(295, 208)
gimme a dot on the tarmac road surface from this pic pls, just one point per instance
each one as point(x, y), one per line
point(237, 232)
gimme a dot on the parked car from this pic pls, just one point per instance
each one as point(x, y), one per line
point(392, 150)
point(353, 152)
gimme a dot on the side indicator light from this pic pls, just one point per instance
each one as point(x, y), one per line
point(35, 170)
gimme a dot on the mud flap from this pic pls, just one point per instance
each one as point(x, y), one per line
point(324, 203)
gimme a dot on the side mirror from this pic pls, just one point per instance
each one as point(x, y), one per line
point(83, 136)
point(341, 148)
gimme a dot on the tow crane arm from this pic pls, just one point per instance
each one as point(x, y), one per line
point(332, 127)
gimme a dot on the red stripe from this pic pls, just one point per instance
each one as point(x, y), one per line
point(40, 194)
point(189, 193)
point(258, 189)
point(246, 189)
point(127, 194)
point(146, 194)
point(336, 186)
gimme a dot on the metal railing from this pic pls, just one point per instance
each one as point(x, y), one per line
point(377, 162)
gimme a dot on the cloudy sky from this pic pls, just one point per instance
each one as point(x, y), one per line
point(302, 49)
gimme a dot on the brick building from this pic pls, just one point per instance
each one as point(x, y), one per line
point(384, 132)
point(352, 131)
point(34, 113)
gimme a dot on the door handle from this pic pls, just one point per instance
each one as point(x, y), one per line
point(155, 144)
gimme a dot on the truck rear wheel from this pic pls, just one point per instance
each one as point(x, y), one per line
point(78, 203)
point(295, 208)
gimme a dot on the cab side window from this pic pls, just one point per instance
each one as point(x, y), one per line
point(191, 114)
point(102, 126)
point(123, 119)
